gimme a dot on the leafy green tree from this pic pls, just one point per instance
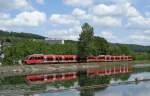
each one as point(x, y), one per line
point(125, 50)
point(27, 47)
point(119, 49)
point(99, 46)
point(85, 39)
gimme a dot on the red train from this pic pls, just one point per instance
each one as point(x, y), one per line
point(41, 58)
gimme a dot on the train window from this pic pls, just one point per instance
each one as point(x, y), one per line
point(112, 58)
point(59, 58)
point(107, 57)
point(68, 75)
point(101, 57)
point(58, 76)
point(68, 58)
point(39, 58)
point(50, 59)
point(38, 79)
point(129, 57)
point(31, 58)
point(78, 58)
point(49, 77)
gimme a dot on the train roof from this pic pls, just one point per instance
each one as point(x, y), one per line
point(50, 55)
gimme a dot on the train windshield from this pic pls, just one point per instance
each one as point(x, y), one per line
point(34, 57)
point(28, 57)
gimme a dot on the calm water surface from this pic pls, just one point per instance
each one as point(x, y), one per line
point(17, 86)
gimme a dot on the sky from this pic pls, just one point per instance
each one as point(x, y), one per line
point(118, 21)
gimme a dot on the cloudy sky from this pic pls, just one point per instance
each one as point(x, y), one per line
point(119, 21)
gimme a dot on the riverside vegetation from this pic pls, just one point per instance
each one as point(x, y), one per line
point(24, 44)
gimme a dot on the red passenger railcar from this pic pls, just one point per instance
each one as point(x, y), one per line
point(108, 58)
point(41, 58)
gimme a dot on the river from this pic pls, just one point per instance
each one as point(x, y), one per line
point(84, 85)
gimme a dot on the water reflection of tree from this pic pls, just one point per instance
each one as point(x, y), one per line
point(138, 70)
point(122, 77)
point(12, 80)
point(89, 81)
point(98, 80)
point(64, 83)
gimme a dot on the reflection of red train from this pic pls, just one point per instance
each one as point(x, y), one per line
point(39, 79)
point(47, 78)
point(41, 58)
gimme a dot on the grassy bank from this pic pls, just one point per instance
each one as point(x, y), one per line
point(140, 62)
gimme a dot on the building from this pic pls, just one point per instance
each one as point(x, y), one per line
point(54, 41)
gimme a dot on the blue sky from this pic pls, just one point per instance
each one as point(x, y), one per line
point(119, 21)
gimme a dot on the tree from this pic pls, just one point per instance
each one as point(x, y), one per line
point(99, 46)
point(119, 49)
point(85, 39)
point(23, 48)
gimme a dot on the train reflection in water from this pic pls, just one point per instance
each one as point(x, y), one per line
point(83, 85)
point(46, 78)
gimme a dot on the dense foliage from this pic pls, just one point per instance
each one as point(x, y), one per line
point(10, 35)
point(24, 48)
point(99, 46)
point(88, 44)
point(85, 39)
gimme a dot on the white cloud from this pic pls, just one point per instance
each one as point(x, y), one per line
point(147, 14)
point(128, 9)
point(107, 21)
point(4, 16)
point(3, 28)
point(25, 19)
point(78, 12)
point(103, 9)
point(83, 3)
point(108, 35)
point(66, 34)
point(139, 22)
point(141, 37)
point(63, 19)
point(81, 14)
point(15, 4)
point(135, 19)
point(40, 1)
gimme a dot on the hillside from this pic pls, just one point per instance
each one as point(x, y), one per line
point(6, 35)
point(139, 48)
point(135, 47)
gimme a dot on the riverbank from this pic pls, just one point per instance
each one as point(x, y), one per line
point(140, 62)
point(52, 68)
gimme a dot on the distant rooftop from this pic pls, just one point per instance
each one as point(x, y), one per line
point(53, 39)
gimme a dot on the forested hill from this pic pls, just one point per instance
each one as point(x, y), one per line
point(132, 47)
point(6, 34)
point(135, 47)
point(139, 48)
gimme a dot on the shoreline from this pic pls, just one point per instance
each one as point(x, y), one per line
point(52, 68)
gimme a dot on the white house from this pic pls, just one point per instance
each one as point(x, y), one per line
point(54, 41)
